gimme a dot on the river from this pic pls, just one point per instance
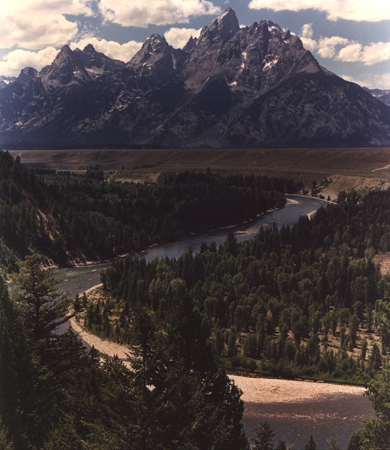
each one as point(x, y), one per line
point(79, 279)
point(331, 413)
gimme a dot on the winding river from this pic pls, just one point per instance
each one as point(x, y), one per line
point(79, 279)
point(295, 409)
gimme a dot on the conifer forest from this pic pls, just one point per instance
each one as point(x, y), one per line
point(305, 301)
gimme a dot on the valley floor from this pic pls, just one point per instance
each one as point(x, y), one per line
point(344, 168)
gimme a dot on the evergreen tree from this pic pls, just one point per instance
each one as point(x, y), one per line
point(16, 372)
point(42, 307)
point(281, 445)
point(311, 445)
point(375, 359)
point(363, 349)
point(375, 433)
point(332, 444)
point(263, 439)
point(5, 442)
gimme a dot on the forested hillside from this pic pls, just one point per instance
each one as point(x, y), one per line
point(296, 301)
point(54, 395)
point(301, 301)
point(67, 217)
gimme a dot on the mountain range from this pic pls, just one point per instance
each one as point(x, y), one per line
point(381, 94)
point(5, 81)
point(236, 87)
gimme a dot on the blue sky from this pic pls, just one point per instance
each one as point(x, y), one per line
point(349, 37)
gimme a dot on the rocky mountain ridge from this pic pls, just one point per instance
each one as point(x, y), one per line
point(5, 81)
point(382, 95)
point(254, 86)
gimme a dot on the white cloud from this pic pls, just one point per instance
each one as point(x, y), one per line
point(307, 30)
point(307, 37)
point(380, 81)
point(178, 37)
point(112, 49)
point(358, 10)
point(351, 51)
point(327, 46)
point(17, 60)
point(369, 54)
point(74, 7)
point(141, 13)
point(309, 44)
point(37, 24)
point(37, 33)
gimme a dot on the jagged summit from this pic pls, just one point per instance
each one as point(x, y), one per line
point(222, 27)
point(89, 49)
point(254, 86)
point(27, 72)
point(154, 46)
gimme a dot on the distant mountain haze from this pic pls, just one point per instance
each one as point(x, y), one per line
point(232, 87)
point(381, 94)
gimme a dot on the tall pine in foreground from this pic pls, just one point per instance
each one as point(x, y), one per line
point(55, 395)
point(16, 372)
point(185, 400)
point(42, 307)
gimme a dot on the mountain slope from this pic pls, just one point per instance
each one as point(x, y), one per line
point(231, 87)
point(381, 95)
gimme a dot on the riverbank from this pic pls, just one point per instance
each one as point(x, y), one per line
point(276, 412)
point(295, 409)
point(79, 262)
point(106, 347)
point(242, 231)
point(255, 388)
point(277, 390)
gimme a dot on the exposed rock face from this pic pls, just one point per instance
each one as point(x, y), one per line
point(232, 87)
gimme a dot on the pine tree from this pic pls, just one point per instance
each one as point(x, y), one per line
point(264, 437)
point(363, 350)
point(42, 307)
point(16, 372)
point(332, 444)
point(5, 442)
point(311, 445)
point(281, 445)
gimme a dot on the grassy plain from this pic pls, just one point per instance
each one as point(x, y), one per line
point(307, 164)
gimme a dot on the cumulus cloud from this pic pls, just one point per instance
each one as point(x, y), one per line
point(350, 51)
point(37, 33)
point(307, 37)
point(13, 62)
point(74, 7)
point(369, 54)
point(178, 37)
point(140, 13)
point(37, 24)
point(307, 30)
point(358, 10)
point(112, 49)
point(327, 46)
